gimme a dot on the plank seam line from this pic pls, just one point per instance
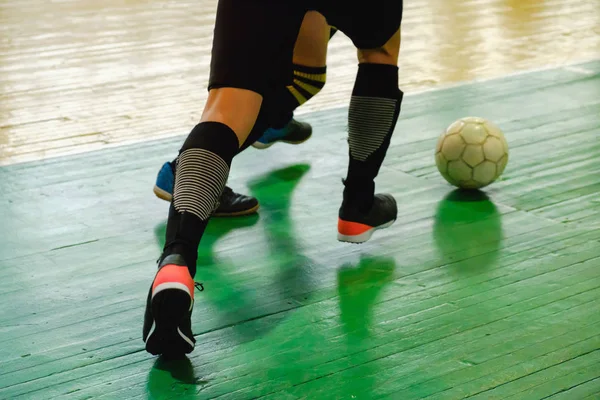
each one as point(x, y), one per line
point(385, 356)
point(534, 372)
point(570, 388)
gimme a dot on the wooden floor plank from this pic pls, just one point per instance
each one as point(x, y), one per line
point(34, 360)
point(583, 359)
point(575, 378)
point(442, 279)
point(395, 379)
point(585, 390)
point(141, 71)
point(311, 313)
point(496, 296)
point(391, 376)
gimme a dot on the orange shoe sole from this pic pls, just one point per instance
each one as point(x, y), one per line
point(355, 232)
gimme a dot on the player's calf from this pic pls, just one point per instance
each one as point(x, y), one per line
point(372, 116)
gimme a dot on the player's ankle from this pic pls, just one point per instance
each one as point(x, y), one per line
point(185, 252)
point(358, 194)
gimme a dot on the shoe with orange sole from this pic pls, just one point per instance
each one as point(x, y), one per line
point(167, 321)
point(356, 226)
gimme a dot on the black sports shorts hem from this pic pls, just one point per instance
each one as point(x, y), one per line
point(254, 40)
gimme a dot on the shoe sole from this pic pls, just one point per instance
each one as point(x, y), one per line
point(263, 146)
point(169, 308)
point(249, 211)
point(364, 236)
point(162, 194)
point(166, 196)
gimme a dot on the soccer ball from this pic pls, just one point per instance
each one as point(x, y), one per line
point(471, 153)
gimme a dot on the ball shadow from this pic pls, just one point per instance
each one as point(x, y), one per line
point(468, 230)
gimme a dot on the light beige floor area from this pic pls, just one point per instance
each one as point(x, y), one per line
point(81, 75)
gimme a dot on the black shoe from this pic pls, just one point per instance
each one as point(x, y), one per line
point(232, 204)
point(294, 132)
point(167, 321)
point(357, 226)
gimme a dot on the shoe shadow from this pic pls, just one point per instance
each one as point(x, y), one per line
point(468, 228)
point(173, 378)
point(293, 279)
point(359, 289)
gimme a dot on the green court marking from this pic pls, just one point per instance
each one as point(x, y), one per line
point(490, 296)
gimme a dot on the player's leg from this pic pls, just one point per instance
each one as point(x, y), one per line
point(373, 113)
point(308, 78)
point(240, 82)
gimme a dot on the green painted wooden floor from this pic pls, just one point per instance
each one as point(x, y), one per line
point(488, 297)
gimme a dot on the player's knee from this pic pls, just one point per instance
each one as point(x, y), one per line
point(377, 56)
point(311, 45)
point(386, 54)
point(236, 108)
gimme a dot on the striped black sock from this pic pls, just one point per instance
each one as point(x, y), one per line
point(201, 177)
point(201, 174)
point(308, 81)
point(305, 83)
point(374, 110)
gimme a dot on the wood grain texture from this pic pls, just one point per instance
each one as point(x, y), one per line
point(82, 75)
point(491, 296)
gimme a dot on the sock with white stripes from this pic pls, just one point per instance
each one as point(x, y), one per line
point(201, 174)
point(374, 110)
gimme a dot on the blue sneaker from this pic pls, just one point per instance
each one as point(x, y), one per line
point(165, 182)
point(231, 204)
point(293, 133)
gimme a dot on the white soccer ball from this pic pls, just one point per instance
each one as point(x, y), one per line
point(471, 153)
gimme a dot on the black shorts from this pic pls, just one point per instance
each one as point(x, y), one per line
point(369, 24)
point(254, 40)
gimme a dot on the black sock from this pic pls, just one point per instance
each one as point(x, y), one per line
point(201, 173)
point(374, 110)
